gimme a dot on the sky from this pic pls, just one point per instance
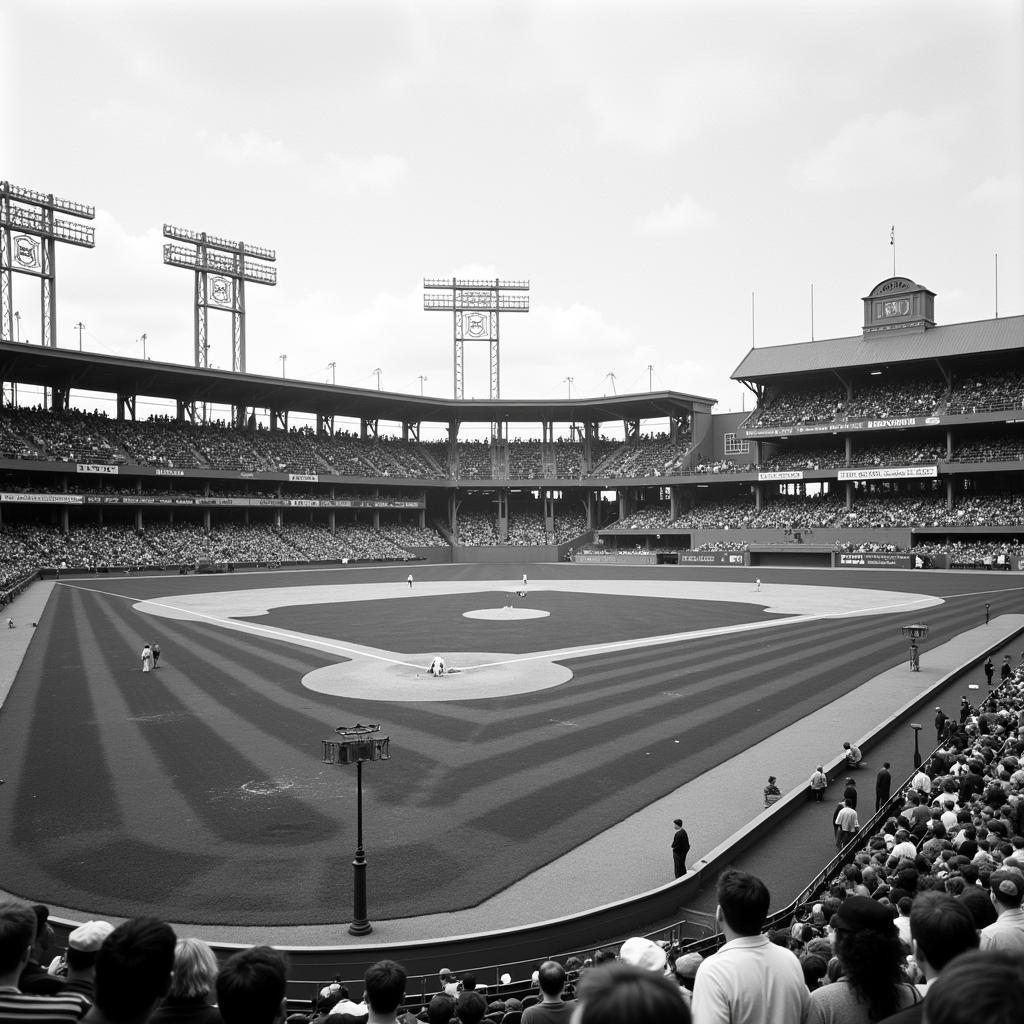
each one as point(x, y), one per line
point(673, 178)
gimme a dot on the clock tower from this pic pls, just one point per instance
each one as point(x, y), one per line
point(898, 304)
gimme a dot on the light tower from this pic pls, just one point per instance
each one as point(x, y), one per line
point(475, 307)
point(221, 267)
point(31, 249)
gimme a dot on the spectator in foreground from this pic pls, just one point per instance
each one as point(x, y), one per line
point(34, 978)
point(941, 928)
point(750, 978)
point(251, 987)
point(384, 990)
point(133, 972)
point(870, 955)
point(975, 987)
point(188, 1001)
point(551, 1009)
point(17, 935)
point(1006, 933)
point(84, 945)
point(621, 994)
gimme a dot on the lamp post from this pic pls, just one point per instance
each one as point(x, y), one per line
point(142, 338)
point(356, 744)
point(916, 726)
point(17, 327)
point(422, 378)
point(377, 371)
point(284, 359)
point(569, 381)
point(332, 366)
point(79, 327)
point(916, 631)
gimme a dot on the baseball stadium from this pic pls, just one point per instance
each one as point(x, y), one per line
point(543, 651)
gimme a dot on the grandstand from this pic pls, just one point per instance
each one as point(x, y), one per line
point(899, 447)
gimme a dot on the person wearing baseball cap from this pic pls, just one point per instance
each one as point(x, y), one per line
point(84, 944)
point(1006, 933)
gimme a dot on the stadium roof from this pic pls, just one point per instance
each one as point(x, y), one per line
point(979, 337)
point(85, 371)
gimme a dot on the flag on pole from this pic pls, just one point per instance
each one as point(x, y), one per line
point(892, 235)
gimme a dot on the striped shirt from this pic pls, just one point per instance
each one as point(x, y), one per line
point(17, 1007)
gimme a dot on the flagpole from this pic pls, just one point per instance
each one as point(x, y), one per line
point(812, 311)
point(892, 242)
point(997, 286)
point(753, 336)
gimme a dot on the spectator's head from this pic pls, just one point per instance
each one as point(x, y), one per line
point(384, 986)
point(44, 931)
point(85, 943)
point(977, 986)
point(621, 994)
point(195, 969)
point(686, 969)
point(551, 979)
point(441, 1009)
point(470, 1007)
point(643, 953)
point(870, 953)
point(133, 969)
point(743, 901)
point(1007, 889)
point(941, 928)
point(251, 986)
point(17, 933)
point(815, 967)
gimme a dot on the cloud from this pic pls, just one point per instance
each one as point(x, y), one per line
point(353, 176)
point(997, 190)
point(657, 113)
point(251, 148)
point(685, 214)
point(337, 173)
point(896, 147)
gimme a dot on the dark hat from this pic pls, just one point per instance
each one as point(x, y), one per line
point(861, 913)
point(1008, 887)
point(678, 822)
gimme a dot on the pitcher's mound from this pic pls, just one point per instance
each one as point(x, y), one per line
point(506, 614)
point(475, 675)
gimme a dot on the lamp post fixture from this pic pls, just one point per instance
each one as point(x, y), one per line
point(916, 631)
point(422, 378)
point(353, 745)
point(79, 327)
point(569, 381)
point(332, 366)
point(284, 359)
point(142, 338)
point(378, 372)
point(916, 726)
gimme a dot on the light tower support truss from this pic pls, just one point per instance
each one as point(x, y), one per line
point(29, 232)
point(476, 307)
point(221, 267)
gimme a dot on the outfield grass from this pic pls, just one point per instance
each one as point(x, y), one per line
point(197, 792)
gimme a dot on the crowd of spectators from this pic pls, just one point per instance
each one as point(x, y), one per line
point(649, 455)
point(987, 392)
point(829, 510)
point(26, 548)
point(918, 396)
point(990, 448)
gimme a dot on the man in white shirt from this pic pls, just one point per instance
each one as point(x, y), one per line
point(750, 980)
point(1006, 933)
